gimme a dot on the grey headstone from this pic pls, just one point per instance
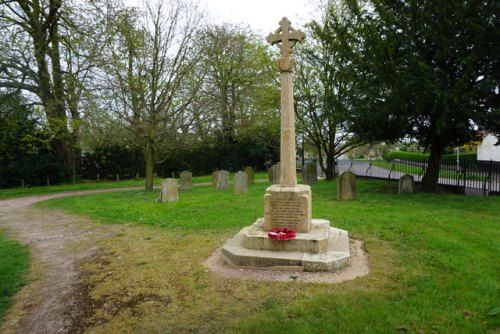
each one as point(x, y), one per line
point(273, 174)
point(270, 173)
point(310, 173)
point(222, 180)
point(346, 186)
point(186, 180)
point(406, 184)
point(250, 175)
point(169, 190)
point(240, 183)
point(214, 178)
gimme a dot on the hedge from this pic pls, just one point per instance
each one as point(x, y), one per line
point(447, 159)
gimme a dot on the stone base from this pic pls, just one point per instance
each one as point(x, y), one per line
point(316, 241)
point(305, 251)
point(288, 207)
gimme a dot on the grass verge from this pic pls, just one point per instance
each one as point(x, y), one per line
point(433, 265)
point(89, 185)
point(14, 265)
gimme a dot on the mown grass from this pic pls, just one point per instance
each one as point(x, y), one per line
point(434, 264)
point(89, 185)
point(14, 265)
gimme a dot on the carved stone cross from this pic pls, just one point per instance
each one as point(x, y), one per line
point(287, 38)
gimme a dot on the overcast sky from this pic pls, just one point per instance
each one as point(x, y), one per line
point(262, 16)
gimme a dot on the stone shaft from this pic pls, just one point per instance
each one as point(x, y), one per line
point(288, 176)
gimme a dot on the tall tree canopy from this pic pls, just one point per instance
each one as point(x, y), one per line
point(324, 80)
point(427, 69)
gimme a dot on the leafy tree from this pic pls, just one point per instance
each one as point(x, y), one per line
point(324, 80)
point(30, 60)
point(428, 70)
point(239, 96)
point(24, 149)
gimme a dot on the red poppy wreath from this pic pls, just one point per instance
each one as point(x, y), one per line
point(282, 233)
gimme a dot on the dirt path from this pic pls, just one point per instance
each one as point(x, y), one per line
point(49, 303)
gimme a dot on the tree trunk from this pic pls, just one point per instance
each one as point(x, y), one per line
point(330, 167)
point(149, 160)
point(431, 177)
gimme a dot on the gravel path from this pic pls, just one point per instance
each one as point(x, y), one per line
point(50, 302)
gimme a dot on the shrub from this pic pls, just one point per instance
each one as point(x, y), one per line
point(447, 159)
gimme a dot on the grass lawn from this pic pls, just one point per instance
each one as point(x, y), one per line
point(88, 185)
point(434, 265)
point(14, 264)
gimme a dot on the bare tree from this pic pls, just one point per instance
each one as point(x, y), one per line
point(150, 80)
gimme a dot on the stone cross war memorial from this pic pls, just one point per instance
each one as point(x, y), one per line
point(287, 205)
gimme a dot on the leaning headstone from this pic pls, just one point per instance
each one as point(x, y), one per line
point(169, 190)
point(346, 186)
point(240, 183)
point(214, 178)
point(406, 184)
point(222, 180)
point(186, 180)
point(309, 173)
point(250, 175)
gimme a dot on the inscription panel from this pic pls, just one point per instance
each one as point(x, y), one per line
point(286, 211)
point(288, 207)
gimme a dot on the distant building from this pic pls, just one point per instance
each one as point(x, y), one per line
point(489, 150)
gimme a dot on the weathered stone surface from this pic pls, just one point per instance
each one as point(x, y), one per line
point(274, 173)
point(316, 241)
point(186, 180)
point(346, 186)
point(336, 257)
point(310, 173)
point(169, 190)
point(317, 246)
point(406, 184)
point(240, 183)
point(288, 207)
point(222, 180)
point(250, 174)
point(214, 178)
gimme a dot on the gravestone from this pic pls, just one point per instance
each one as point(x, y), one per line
point(240, 183)
point(310, 173)
point(317, 246)
point(406, 184)
point(186, 180)
point(222, 180)
point(346, 186)
point(250, 175)
point(275, 173)
point(169, 190)
point(214, 178)
point(270, 174)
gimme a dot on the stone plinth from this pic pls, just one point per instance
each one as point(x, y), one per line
point(288, 207)
point(337, 255)
point(316, 241)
